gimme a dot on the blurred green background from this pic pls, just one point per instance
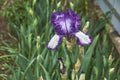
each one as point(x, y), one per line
point(23, 52)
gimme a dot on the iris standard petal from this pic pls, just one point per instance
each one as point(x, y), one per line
point(62, 23)
point(75, 18)
point(65, 22)
point(54, 42)
point(82, 38)
point(58, 22)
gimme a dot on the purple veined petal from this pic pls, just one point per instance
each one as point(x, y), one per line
point(82, 38)
point(65, 22)
point(58, 21)
point(62, 23)
point(54, 42)
point(75, 18)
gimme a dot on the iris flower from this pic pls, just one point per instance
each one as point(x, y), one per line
point(67, 24)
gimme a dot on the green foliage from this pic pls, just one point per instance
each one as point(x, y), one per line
point(88, 56)
point(29, 23)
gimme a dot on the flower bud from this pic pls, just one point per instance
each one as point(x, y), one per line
point(85, 29)
point(58, 4)
point(30, 11)
point(82, 76)
point(38, 42)
point(111, 70)
point(34, 1)
point(105, 78)
point(77, 65)
point(41, 78)
point(71, 5)
point(54, 10)
point(110, 58)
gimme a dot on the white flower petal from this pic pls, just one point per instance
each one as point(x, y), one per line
point(54, 42)
point(82, 38)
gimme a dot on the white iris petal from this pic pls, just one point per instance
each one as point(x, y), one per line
point(83, 38)
point(53, 43)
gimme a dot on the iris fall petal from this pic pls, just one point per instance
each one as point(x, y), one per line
point(54, 42)
point(82, 38)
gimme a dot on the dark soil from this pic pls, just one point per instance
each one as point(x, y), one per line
point(3, 37)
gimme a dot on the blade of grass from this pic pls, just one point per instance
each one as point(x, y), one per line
point(88, 55)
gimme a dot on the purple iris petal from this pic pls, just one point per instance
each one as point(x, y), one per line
point(65, 22)
point(76, 19)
